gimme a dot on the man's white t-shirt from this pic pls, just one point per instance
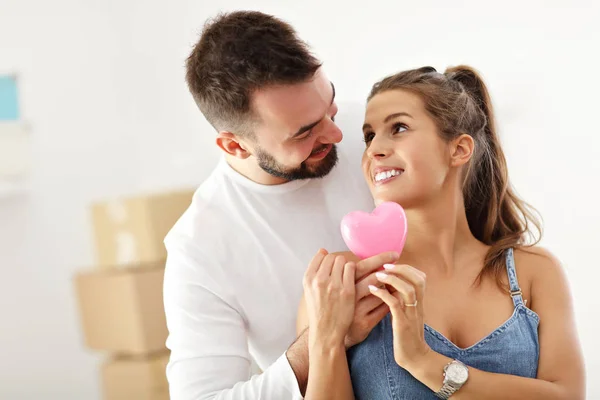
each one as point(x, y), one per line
point(233, 279)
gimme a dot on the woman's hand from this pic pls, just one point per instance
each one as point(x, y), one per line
point(330, 298)
point(405, 300)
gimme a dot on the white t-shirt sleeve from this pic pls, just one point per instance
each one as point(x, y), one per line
point(207, 337)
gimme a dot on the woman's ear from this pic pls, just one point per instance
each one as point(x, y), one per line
point(462, 150)
point(232, 144)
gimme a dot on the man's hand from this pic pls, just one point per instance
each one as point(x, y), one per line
point(329, 290)
point(369, 310)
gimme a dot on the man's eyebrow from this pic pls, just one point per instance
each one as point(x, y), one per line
point(305, 128)
point(332, 97)
point(308, 127)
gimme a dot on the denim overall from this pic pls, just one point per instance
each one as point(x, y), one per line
point(513, 348)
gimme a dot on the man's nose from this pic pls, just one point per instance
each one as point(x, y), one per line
point(331, 133)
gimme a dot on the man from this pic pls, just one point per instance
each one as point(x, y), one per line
point(237, 256)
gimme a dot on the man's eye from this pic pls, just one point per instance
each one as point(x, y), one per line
point(306, 135)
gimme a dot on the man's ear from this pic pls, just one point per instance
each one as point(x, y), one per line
point(462, 150)
point(232, 144)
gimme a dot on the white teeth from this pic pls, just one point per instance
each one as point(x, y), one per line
point(386, 174)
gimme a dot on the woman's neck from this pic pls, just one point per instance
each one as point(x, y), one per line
point(439, 240)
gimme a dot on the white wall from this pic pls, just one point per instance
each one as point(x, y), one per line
point(103, 87)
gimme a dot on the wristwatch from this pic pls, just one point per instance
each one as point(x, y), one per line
point(455, 375)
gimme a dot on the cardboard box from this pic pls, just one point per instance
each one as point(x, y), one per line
point(130, 231)
point(122, 311)
point(136, 378)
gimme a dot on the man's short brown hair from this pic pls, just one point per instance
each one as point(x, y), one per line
point(238, 53)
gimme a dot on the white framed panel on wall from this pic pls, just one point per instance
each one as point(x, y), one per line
point(15, 139)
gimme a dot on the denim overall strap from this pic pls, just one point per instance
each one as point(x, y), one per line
point(515, 290)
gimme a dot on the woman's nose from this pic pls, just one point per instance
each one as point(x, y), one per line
point(378, 148)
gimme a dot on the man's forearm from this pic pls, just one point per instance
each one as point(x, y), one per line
point(297, 355)
point(329, 377)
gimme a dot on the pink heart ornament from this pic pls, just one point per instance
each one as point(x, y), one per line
point(369, 234)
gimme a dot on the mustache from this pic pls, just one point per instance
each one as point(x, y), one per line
point(318, 149)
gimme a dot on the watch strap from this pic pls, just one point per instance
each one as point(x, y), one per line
point(446, 391)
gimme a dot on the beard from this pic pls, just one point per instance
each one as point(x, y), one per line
point(270, 165)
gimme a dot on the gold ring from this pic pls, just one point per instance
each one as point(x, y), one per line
point(411, 305)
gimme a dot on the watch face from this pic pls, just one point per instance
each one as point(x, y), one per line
point(457, 373)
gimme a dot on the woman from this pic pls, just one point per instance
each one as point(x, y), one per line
point(476, 312)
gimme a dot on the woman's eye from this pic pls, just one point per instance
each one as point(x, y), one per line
point(368, 137)
point(399, 128)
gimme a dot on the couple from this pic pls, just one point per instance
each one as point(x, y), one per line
point(467, 310)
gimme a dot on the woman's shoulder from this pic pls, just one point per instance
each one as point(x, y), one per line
point(540, 269)
point(536, 260)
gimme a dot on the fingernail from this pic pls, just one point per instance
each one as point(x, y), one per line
point(373, 288)
point(381, 275)
point(388, 266)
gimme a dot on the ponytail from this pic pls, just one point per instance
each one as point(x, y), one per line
point(496, 215)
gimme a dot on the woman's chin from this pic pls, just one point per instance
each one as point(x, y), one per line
point(382, 199)
point(378, 200)
point(404, 200)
